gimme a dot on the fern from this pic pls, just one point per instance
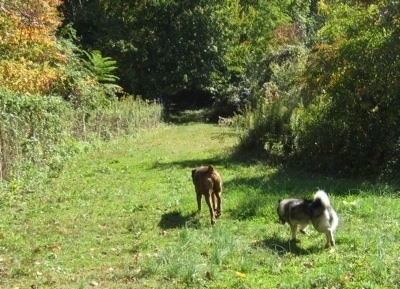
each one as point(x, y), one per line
point(102, 67)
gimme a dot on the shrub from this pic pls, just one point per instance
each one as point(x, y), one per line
point(266, 123)
point(32, 134)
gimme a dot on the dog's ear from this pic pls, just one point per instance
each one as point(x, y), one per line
point(193, 172)
point(210, 169)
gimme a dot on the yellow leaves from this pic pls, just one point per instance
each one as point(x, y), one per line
point(27, 76)
point(322, 7)
point(55, 249)
point(348, 277)
point(308, 264)
point(28, 34)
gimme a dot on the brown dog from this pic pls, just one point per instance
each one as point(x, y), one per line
point(208, 182)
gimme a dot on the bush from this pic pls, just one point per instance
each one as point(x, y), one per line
point(38, 133)
point(32, 134)
point(352, 127)
point(267, 122)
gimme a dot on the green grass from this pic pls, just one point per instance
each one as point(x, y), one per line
point(124, 216)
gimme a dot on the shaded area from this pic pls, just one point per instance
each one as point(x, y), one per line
point(282, 247)
point(233, 157)
point(190, 105)
point(259, 194)
point(175, 220)
point(289, 183)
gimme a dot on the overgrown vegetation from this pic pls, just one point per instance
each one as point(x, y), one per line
point(333, 107)
point(38, 134)
point(309, 83)
point(54, 96)
point(316, 79)
point(32, 134)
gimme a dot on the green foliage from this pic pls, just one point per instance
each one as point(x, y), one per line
point(34, 137)
point(252, 26)
point(165, 47)
point(86, 84)
point(352, 67)
point(38, 134)
point(341, 114)
point(102, 67)
point(36, 58)
point(267, 124)
point(123, 117)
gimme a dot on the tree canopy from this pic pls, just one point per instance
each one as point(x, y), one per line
point(163, 47)
point(312, 82)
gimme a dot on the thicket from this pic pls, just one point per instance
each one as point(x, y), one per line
point(32, 133)
point(54, 96)
point(164, 48)
point(352, 85)
point(331, 103)
point(311, 83)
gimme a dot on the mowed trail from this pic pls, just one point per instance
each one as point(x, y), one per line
point(152, 169)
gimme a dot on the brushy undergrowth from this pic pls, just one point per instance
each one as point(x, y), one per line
point(39, 133)
point(123, 215)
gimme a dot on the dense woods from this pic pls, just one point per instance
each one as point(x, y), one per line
point(312, 84)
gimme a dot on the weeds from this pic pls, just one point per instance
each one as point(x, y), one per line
point(37, 134)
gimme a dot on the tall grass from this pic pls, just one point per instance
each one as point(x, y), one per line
point(38, 134)
point(120, 118)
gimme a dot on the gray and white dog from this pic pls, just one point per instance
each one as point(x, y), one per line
point(299, 213)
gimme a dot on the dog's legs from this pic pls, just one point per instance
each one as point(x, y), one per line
point(330, 241)
point(293, 228)
point(198, 196)
point(303, 228)
point(209, 202)
point(218, 209)
point(214, 201)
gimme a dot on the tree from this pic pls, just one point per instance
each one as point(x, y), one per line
point(164, 47)
point(29, 51)
point(353, 83)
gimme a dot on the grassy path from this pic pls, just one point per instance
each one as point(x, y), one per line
point(124, 216)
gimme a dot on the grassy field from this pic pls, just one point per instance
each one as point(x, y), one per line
point(124, 216)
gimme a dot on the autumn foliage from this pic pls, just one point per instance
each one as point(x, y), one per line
point(30, 55)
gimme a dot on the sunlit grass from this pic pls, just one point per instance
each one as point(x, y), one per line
point(124, 216)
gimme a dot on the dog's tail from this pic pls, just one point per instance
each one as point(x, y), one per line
point(322, 199)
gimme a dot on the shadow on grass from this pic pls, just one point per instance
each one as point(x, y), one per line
point(259, 191)
point(175, 220)
point(191, 164)
point(225, 160)
point(282, 247)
